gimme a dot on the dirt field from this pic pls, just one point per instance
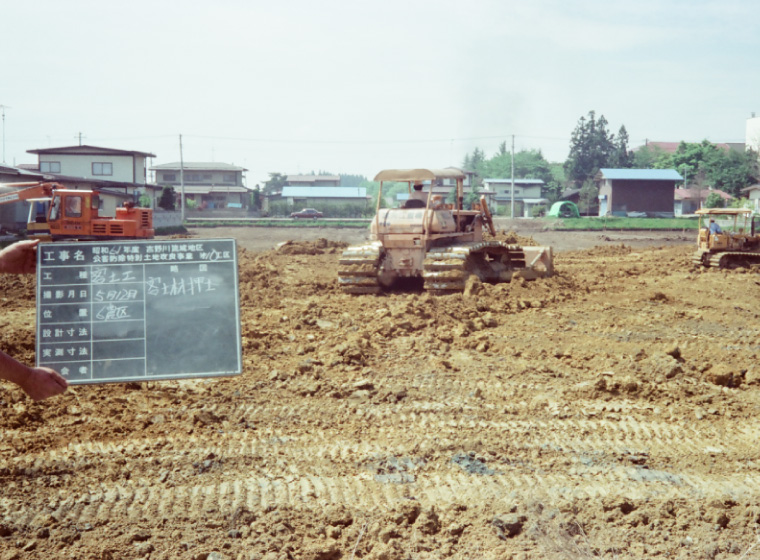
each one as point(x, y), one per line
point(608, 412)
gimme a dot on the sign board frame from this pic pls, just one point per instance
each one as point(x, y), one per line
point(138, 310)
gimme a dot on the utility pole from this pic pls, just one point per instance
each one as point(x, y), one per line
point(80, 138)
point(181, 182)
point(3, 108)
point(512, 195)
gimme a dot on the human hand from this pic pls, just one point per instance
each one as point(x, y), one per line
point(41, 383)
point(19, 258)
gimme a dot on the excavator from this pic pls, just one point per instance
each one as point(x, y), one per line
point(736, 244)
point(433, 242)
point(73, 214)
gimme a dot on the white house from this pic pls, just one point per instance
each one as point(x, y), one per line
point(527, 194)
point(211, 184)
point(127, 167)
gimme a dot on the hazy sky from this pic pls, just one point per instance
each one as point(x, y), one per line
point(348, 86)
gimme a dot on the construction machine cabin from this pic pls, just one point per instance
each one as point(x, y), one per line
point(438, 243)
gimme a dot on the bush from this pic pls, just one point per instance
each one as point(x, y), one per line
point(538, 211)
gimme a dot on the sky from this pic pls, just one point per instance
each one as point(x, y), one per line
point(355, 86)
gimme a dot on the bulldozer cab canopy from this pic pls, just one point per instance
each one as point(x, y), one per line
point(723, 212)
point(412, 175)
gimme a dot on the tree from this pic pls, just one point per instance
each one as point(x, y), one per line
point(591, 148)
point(168, 198)
point(275, 183)
point(256, 198)
point(727, 170)
point(589, 197)
point(714, 200)
point(622, 156)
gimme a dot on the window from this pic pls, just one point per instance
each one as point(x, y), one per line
point(50, 166)
point(74, 207)
point(102, 168)
point(170, 177)
point(228, 178)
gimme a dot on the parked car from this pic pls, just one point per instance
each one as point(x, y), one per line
point(307, 213)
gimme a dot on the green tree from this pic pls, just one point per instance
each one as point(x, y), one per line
point(727, 170)
point(275, 183)
point(714, 200)
point(622, 156)
point(168, 198)
point(591, 148)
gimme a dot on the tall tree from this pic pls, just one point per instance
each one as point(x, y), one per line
point(591, 147)
point(622, 156)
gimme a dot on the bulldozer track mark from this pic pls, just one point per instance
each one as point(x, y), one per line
point(192, 502)
point(319, 453)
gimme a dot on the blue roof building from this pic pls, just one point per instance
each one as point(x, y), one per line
point(637, 192)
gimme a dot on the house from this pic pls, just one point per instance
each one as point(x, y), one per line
point(322, 198)
point(753, 194)
point(688, 201)
point(124, 170)
point(312, 181)
point(625, 191)
point(527, 195)
point(211, 185)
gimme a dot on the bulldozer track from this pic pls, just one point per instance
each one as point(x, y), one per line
point(359, 268)
point(446, 269)
point(731, 259)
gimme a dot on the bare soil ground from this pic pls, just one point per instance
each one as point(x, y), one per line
point(608, 412)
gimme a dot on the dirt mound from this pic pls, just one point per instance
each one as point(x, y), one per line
point(318, 247)
point(607, 411)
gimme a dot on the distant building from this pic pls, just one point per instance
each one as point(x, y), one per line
point(752, 137)
point(322, 198)
point(634, 191)
point(528, 193)
point(672, 147)
point(122, 169)
point(688, 201)
point(211, 185)
point(753, 194)
point(312, 181)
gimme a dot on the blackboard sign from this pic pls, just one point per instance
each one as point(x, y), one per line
point(138, 310)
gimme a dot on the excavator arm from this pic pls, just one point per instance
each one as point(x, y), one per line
point(25, 191)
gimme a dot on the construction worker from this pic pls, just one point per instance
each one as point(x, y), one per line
point(37, 382)
point(714, 227)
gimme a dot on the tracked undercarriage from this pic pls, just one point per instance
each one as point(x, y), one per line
point(732, 259)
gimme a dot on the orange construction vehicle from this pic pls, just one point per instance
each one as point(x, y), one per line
point(73, 214)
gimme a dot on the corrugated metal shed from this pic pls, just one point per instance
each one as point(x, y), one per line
point(639, 174)
point(324, 192)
